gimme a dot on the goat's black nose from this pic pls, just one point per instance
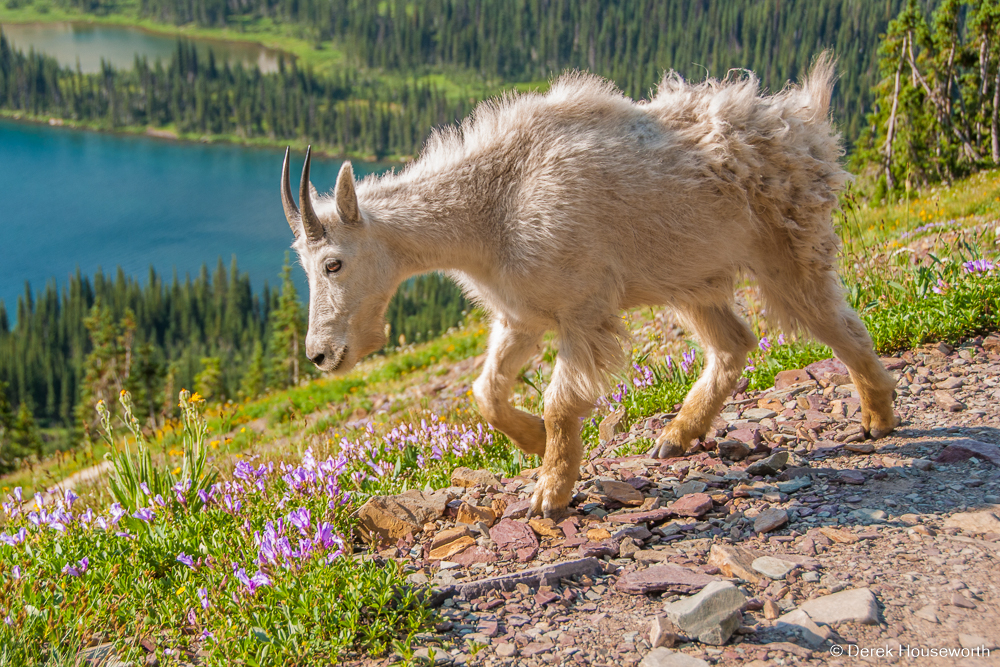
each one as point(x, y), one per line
point(318, 359)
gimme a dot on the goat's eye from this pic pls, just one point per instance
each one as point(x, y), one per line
point(332, 265)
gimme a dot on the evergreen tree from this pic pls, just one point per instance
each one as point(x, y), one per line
point(288, 331)
point(10, 452)
point(255, 377)
point(25, 438)
point(209, 382)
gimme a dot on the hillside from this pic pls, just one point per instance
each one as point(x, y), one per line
point(276, 562)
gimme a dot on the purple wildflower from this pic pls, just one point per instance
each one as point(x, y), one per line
point(781, 339)
point(941, 287)
point(192, 619)
point(117, 512)
point(78, 569)
point(187, 560)
point(764, 344)
point(145, 514)
point(300, 518)
point(16, 571)
point(145, 489)
point(203, 596)
point(978, 266)
point(70, 497)
point(688, 359)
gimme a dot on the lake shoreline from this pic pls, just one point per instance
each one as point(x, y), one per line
point(171, 135)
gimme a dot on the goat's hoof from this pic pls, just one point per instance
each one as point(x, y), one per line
point(878, 427)
point(666, 448)
point(551, 497)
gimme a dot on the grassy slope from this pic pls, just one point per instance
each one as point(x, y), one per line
point(881, 250)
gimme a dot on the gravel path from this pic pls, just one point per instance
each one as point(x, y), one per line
point(910, 521)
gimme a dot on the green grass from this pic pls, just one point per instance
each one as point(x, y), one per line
point(319, 602)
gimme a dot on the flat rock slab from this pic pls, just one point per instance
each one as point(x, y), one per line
point(626, 494)
point(734, 561)
point(805, 627)
point(857, 605)
point(975, 523)
point(392, 517)
point(473, 555)
point(532, 578)
point(664, 657)
point(773, 568)
point(966, 448)
point(663, 578)
point(511, 535)
point(770, 519)
point(693, 505)
point(822, 370)
point(772, 465)
point(467, 477)
point(712, 615)
point(652, 516)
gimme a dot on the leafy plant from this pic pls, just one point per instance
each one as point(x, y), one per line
point(137, 481)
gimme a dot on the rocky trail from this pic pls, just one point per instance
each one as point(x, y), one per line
point(790, 539)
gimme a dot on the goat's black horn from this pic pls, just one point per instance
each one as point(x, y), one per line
point(291, 211)
point(310, 221)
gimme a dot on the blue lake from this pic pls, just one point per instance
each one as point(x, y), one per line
point(73, 199)
point(86, 44)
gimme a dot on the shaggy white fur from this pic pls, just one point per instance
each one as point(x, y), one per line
point(557, 211)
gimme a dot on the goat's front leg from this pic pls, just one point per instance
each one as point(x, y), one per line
point(564, 408)
point(509, 349)
point(727, 339)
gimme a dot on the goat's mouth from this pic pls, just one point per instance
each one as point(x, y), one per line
point(339, 359)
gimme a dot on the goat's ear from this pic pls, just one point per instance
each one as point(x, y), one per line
point(347, 199)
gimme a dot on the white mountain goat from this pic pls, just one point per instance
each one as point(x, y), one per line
point(558, 211)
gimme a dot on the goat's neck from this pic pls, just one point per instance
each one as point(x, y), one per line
point(432, 225)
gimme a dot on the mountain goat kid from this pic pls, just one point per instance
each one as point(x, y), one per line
point(558, 211)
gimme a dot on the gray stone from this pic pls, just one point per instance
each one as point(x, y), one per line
point(664, 657)
point(532, 578)
point(866, 516)
point(756, 414)
point(773, 568)
point(611, 425)
point(927, 613)
point(506, 650)
point(712, 615)
point(770, 519)
point(804, 626)
point(793, 485)
point(733, 450)
point(663, 633)
point(689, 487)
point(857, 605)
point(976, 641)
point(769, 466)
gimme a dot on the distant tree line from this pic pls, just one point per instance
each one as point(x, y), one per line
point(937, 111)
point(70, 348)
point(630, 41)
point(344, 112)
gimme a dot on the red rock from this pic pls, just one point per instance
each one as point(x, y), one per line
point(510, 535)
point(788, 378)
point(517, 509)
point(851, 477)
point(770, 519)
point(750, 436)
point(663, 578)
point(966, 448)
point(640, 517)
point(621, 492)
point(569, 527)
point(542, 599)
point(598, 549)
point(693, 504)
point(820, 370)
point(474, 555)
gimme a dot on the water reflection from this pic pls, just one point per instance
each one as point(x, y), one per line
point(86, 43)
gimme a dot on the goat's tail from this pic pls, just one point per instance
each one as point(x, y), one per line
point(812, 98)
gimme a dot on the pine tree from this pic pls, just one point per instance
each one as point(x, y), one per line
point(288, 327)
point(255, 377)
point(10, 452)
point(25, 437)
point(209, 382)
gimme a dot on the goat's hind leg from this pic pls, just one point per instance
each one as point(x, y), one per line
point(509, 349)
point(819, 305)
point(727, 339)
